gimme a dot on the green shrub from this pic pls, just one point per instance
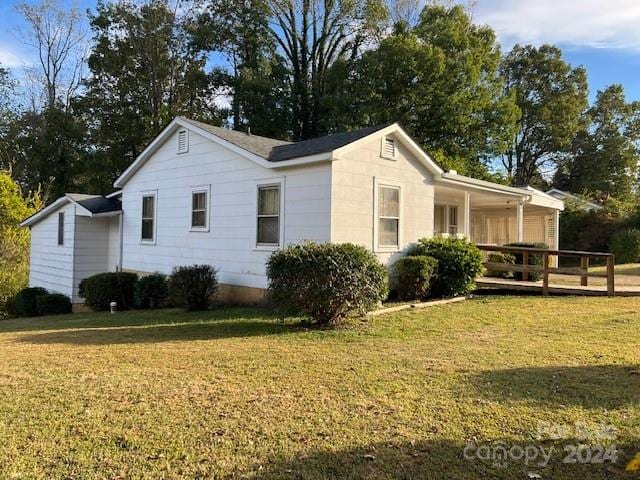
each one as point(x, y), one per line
point(152, 291)
point(24, 303)
point(413, 276)
point(193, 287)
point(533, 259)
point(625, 245)
point(459, 264)
point(497, 257)
point(327, 282)
point(53, 304)
point(100, 290)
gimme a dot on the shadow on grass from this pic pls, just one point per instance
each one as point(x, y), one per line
point(440, 460)
point(589, 386)
point(166, 327)
point(132, 318)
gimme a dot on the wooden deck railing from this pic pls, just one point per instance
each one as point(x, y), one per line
point(582, 271)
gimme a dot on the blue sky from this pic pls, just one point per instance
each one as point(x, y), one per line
point(602, 35)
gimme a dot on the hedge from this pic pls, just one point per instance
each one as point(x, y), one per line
point(100, 290)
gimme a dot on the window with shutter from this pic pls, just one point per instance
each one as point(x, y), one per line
point(183, 141)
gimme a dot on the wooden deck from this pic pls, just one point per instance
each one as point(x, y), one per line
point(556, 289)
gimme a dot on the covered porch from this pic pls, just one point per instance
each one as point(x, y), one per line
point(492, 214)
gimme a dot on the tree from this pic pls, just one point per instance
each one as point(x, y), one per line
point(551, 96)
point(605, 154)
point(14, 240)
point(440, 80)
point(58, 37)
point(143, 73)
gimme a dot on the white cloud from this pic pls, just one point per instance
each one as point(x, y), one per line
point(12, 58)
point(580, 23)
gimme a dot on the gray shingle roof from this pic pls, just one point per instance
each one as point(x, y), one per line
point(96, 203)
point(279, 150)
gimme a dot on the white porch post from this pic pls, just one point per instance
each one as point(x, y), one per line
point(556, 222)
point(520, 221)
point(467, 214)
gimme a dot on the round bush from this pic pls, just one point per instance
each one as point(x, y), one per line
point(100, 290)
point(459, 264)
point(625, 245)
point(533, 259)
point(326, 281)
point(193, 287)
point(24, 303)
point(413, 276)
point(497, 257)
point(53, 304)
point(152, 291)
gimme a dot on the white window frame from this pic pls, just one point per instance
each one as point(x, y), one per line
point(186, 141)
point(276, 182)
point(206, 189)
point(447, 219)
point(383, 143)
point(143, 195)
point(377, 184)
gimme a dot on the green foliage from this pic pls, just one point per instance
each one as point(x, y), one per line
point(625, 245)
point(14, 240)
point(588, 230)
point(533, 259)
point(152, 291)
point(605, 155)
point(102, 289)
point(193, 287)
point(551, 97)
point(459, 264)
point(498, 257)
point(413, 276)
point(327, 282)
point(440, 80)
point(25, 302)
point(53, 304)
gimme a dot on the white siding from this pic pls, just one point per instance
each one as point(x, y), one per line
point(91, 253)
point(52, 264)
point(353, 211)
point(230, 243)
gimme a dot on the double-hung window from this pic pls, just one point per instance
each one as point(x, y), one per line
point(388, 216)
point(199, 204)
point(453, 220)
point(148, 218)
point(268, 226)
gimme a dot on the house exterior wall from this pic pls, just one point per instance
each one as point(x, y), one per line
point(232, 180)
point(52, 264)
point(91, 252)
point(355, 177)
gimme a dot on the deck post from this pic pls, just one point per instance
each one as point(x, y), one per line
point(545, 274)
point(584, 264)
point(611, 289)
point(525, 261)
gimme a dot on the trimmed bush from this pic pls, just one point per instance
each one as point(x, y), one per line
point(326, 282)
point(100, 290)
point(498, 257)
point(53, 304)
point(24, 303)
point(625, 245)
point(193, 287)
point(459, 264)
point(152, 291)
point(413, 276)
point(533, 259)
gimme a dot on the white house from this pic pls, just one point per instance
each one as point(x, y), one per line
point(200, 194)
point(566, 196)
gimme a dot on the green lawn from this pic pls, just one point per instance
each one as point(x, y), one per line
point(237, 393)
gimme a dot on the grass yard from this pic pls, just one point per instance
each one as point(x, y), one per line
point(237, 393)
